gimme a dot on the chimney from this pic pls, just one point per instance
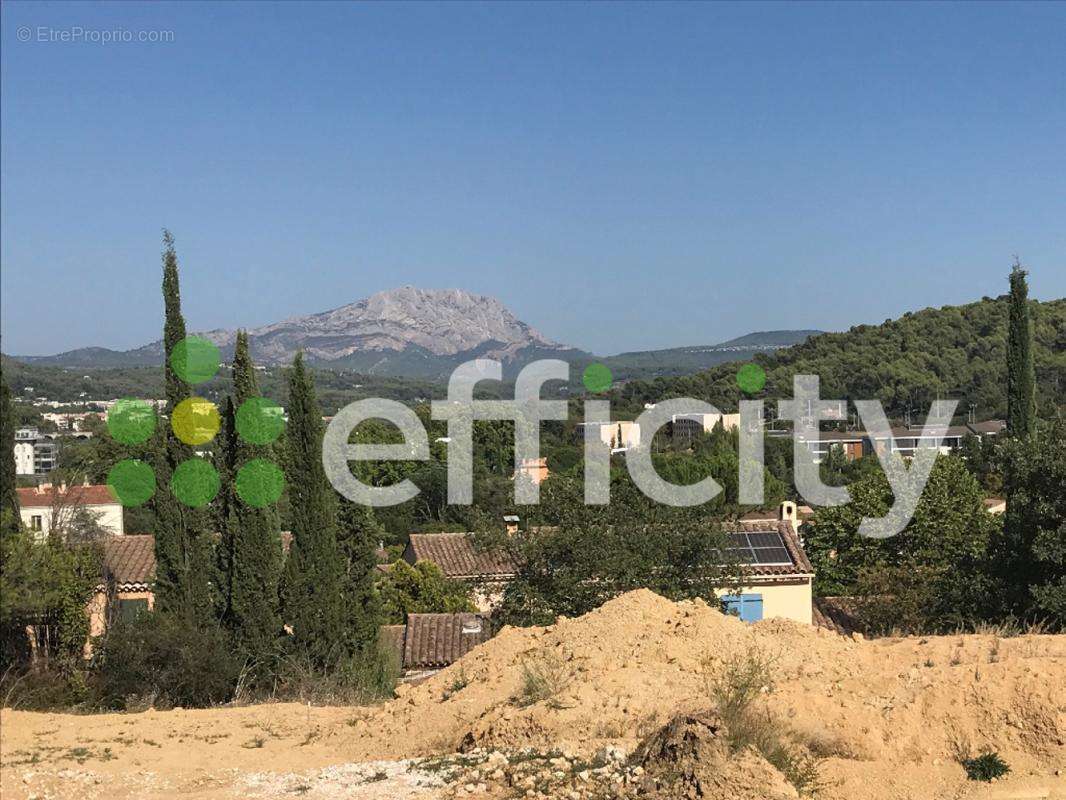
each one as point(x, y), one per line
point(511, 523)
point(789, 513)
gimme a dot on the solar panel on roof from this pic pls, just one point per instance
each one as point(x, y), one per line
point(772, 555)
point(765, 539)
point(758, 548)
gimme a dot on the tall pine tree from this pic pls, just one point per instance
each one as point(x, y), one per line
point(10, 520)
point(183, 584)
point(312, 596)
point(1021, 376)
point(250, 550)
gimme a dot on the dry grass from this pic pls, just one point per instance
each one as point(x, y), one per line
point(543, 680)
point(737, 690)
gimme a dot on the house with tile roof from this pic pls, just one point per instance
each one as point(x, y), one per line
point(127, 575)
point(777, 575)
point(125, 587)
point(460, 558)
point(50, 505)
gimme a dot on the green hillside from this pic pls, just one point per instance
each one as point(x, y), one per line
point(956, 352)
point(649, 364)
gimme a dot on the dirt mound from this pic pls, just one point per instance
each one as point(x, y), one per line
point(623, 671)
point(687, 758)
point(889, 717)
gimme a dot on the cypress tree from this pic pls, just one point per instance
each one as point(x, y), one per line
point(182, 543)
point(1021, 376)
point(250, 551)
point(1014, 558)
point(312, 595)
point(10, 520)
point(357, 538)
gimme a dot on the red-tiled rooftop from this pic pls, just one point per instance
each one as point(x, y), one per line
point(46, 496)
point(129, 560)
point(458, 556)
point(433, 641)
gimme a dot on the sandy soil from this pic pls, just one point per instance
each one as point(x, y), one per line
point(889, 715)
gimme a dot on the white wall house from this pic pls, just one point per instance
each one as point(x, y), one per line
point(46, 505)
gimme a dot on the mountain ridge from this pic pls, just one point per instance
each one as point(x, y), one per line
point(423, 333)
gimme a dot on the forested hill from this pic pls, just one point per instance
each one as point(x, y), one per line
point(956, 352)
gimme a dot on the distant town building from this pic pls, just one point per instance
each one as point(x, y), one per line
point(686, 427)
point(995, 505)
point(619, 435)
point(901, 439)
point(70, 421)
point(535, 469)
point(990, 427)
point(36, 453)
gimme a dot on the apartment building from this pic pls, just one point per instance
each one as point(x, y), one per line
point(36, 453)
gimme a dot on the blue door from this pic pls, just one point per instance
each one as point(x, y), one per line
point(746, 606)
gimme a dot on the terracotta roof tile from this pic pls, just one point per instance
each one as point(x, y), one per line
point(38, 497)
point(458, 557)
point(437, 640)
point(130, 560)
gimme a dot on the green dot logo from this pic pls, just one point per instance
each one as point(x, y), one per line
point(195, 359)
point(597, 378)
point(195, 420)
point(131, 421)
point(751, 378)
point(195, 482)
point(260, 483)
point(132, 482)
point(260, 420)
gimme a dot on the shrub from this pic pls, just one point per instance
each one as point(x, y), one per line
point(161, 660)
point(747, 723)
point(48, 689)
point(358, 680)
point(421, 589)
point(459, 682)
point(985, 767)
point(542, 679)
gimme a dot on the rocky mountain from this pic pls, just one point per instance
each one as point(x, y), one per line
point(426, 333)
point(405, 331)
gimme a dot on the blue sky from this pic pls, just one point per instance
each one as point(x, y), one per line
point(622, 176)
